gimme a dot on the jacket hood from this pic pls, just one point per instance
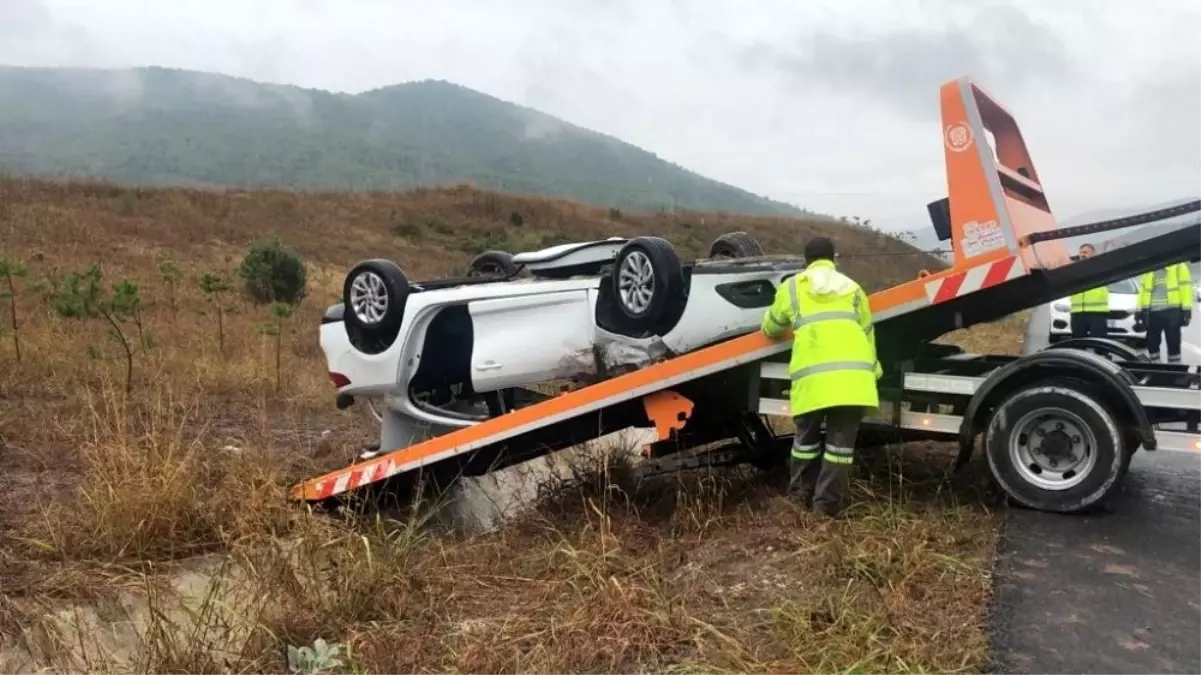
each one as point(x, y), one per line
point(824, 279)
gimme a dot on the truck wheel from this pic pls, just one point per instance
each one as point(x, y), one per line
point(492, 264)
point(1054, 447)
point(735, 245)
point(648, 283)
point(375, 292)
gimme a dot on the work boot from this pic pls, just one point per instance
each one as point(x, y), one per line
point(803, 479)
point(832, 482)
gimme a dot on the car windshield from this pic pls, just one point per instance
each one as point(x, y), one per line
point(1124, 287)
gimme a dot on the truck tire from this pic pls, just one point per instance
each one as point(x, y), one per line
point(1054, 446)
point(648, 284)
point(375, 293)
point(492, 264)
point(735, 245)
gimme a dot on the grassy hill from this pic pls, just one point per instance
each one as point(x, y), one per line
point(174, 127)
point(117, 506)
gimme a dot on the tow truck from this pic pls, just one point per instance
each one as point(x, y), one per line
point(1058, 427)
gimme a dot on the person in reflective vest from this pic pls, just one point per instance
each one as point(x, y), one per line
point(1165, 306)
point(1089, 308)
point(833, 371)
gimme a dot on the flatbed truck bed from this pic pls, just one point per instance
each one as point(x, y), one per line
point(1096, 403)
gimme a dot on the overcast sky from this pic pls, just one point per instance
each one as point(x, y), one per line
point(831, 105)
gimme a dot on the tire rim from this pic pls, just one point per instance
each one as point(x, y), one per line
point(636, 282)
point(1053, 448)
point(369, 298)
point(724, 254)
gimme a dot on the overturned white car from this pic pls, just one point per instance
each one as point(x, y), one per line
point(449, 353)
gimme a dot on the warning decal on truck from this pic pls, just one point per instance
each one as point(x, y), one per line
point(980, 238)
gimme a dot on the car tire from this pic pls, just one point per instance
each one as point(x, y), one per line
point(648, 284)
point(1062, 412)
point(375, 293)
point(492, 264)
point(735, 245)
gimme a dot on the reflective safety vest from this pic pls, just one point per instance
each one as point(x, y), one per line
point(833, 345)
point(1092, 300)
point(1178, 282)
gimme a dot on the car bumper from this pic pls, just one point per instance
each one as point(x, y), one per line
point(1117, 328)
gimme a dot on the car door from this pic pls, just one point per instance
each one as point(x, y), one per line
point(525, 339)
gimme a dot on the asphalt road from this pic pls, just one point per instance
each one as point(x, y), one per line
point(1115, 592)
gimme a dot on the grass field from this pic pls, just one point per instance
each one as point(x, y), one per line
point(149, 531)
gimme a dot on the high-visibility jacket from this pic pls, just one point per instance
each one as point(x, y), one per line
point(1179, 284)
point(833, 346)
point(1092, 300)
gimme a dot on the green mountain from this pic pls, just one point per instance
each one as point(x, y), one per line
point(172, 127)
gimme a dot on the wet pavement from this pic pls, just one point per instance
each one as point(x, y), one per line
point(1114, 592)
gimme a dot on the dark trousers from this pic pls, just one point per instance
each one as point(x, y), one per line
point(821, 474)
point(1089, 324)
point(1164, 325)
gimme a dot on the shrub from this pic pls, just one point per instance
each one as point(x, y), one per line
point(273, 273)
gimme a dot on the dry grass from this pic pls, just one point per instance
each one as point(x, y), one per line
point(150, 533)
point(1004, 337)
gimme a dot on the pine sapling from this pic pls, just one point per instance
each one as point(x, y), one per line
point(10, 271)
point(214, 285)
point(170, 274)
point(280, 312)
point(82, 296)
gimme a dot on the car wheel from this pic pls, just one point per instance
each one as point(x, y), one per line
point(375, 292)
point(648, 283)
point(735, 245)
point(492, 264)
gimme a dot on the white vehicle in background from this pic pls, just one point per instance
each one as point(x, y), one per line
point(451, 353)
point(1123, 303)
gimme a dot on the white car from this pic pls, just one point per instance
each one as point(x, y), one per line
point(451, 353)
point(1123, 301)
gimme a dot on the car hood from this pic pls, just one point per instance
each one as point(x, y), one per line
point(1122, 302)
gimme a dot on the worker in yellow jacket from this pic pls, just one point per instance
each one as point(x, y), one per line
point(833, 371)
point(1165, 306)
point(1090, 308)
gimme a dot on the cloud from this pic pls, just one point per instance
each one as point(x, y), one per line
point(32, 33)
point(19, 17)
point(995, 43)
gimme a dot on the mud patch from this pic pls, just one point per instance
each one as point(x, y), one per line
point(1124, 570)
